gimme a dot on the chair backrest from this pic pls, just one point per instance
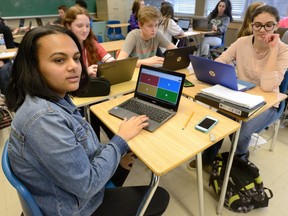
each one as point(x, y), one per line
point(283, 88)
point(111, 30)
point(29, 206)
point(99, 38)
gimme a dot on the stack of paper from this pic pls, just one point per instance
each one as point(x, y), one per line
point(236, 97)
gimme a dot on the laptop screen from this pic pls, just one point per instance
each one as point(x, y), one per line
point(184, 24)
point(160, 86)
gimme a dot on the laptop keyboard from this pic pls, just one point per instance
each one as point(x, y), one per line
point(151, 112)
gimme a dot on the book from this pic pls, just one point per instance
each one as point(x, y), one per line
point(239, 98)
point(228, 106)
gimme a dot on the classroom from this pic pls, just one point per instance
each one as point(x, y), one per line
point(174, 156)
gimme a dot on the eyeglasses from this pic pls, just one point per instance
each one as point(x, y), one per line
point(267, 26)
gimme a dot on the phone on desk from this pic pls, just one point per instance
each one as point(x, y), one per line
point(206, 124)
point(187, 83)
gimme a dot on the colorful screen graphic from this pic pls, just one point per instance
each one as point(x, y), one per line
point(160, 85)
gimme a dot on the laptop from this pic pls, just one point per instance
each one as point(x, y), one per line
point(157, 95)
point(117, 71)
point(201, 24)
point(213, 72)
point(178, 58)
point(39, 21)
point(184, 24)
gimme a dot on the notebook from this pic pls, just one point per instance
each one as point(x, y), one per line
point(178, 58)
point(184, 24)
point(200, 24)
point(157, 95)
point(213, 72)
point(117, 71)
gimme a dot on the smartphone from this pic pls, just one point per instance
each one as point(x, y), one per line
point(206, 124)
point(187, 83)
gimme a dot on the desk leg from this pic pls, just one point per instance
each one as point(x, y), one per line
point(87, 114)
point(200, 184)
point(149, 194)
point(228, 169)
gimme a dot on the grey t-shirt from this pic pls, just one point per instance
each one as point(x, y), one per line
point(135, 46)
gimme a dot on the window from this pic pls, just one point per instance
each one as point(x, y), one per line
point(239, 6)
point(281, 5)
point(180, 6)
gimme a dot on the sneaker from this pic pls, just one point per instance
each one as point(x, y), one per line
point(192, 166)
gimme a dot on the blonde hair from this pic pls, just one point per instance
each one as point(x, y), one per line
point(148, 13)
point(245, 29)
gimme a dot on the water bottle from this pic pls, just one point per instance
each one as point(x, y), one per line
point(2, 44)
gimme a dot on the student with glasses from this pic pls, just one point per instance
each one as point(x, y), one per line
point(262, 58)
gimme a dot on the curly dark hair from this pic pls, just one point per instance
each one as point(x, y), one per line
point(228, 10)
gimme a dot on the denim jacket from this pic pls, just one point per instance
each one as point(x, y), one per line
point(57, 155)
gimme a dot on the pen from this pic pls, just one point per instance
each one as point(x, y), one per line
point(188, 120)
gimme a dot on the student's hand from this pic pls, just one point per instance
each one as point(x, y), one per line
point(127, 160)
point(272, 39)
point(130, 128)
point(15, 31)
point(92, 70)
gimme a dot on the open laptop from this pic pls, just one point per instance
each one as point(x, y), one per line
point(157, 95)
point(178, 58)
point(184, 24)
point(117, 71)
point(200, 24)
point(213, 72)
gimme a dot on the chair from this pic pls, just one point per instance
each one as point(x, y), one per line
point(276, 121)
point(215, 51)
point(222, 42)
point(29, 206)
point(99, 28)
point(99, 38)
point(114, 33)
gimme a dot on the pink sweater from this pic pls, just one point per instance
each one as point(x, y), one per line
point(266, 70)
point(283, 23)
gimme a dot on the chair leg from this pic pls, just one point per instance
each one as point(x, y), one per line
point(276, 129)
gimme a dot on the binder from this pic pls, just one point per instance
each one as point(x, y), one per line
point(227, 106)
point(235, 97)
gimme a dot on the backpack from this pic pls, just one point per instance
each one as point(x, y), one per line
point(245, 190)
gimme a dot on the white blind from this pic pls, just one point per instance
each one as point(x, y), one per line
point(237, 7)
point(184, 6)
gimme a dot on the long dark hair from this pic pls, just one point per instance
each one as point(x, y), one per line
point(167, 12)
point(26, 78)
point(266, 9)
point(228, 10)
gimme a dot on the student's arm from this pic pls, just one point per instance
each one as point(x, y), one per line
point(171, 46)
point(174, 29)
point(149, 61)
point(225, 23)
point(275, 65)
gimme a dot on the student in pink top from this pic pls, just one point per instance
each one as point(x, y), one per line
point(77, 19)
point(262, 58)
point(283, 23)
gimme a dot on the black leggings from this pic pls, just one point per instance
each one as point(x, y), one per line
point(124, 201)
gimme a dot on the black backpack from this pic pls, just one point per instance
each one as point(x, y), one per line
point(245, 190)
